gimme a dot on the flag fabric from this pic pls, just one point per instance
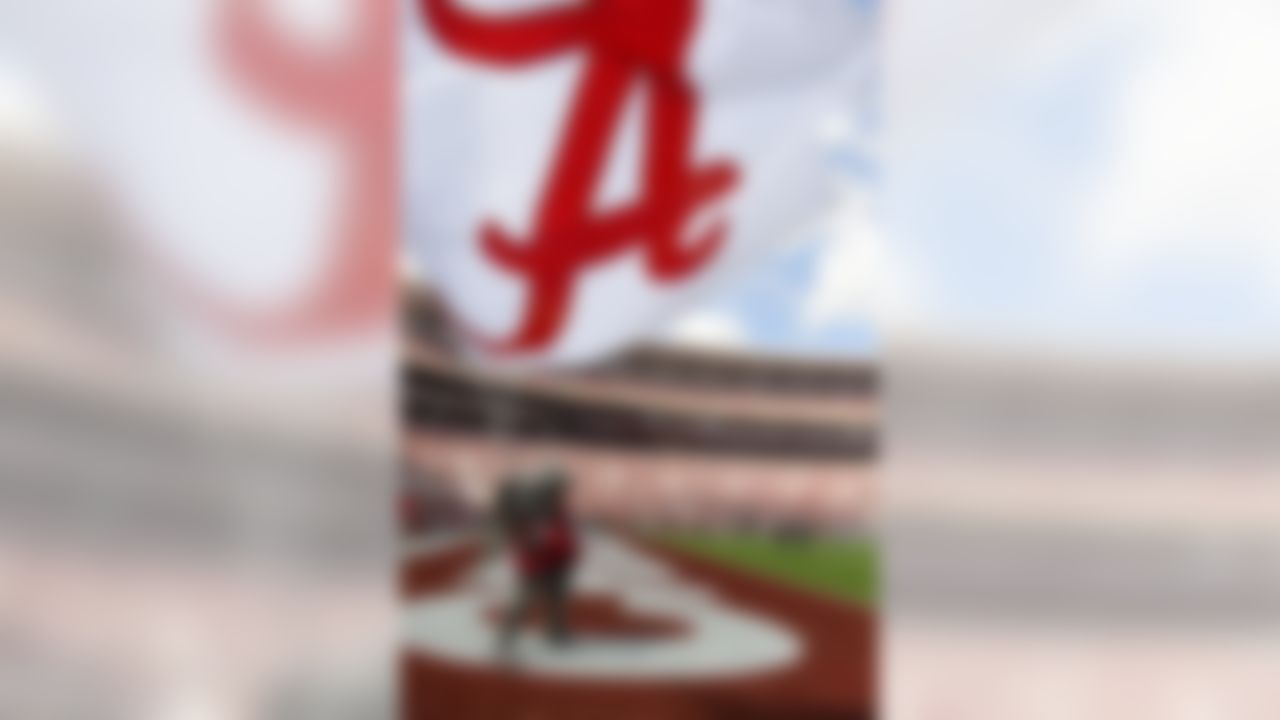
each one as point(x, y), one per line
point(578, 172)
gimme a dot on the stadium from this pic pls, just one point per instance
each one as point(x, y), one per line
point(725, 498)
point(661, 436)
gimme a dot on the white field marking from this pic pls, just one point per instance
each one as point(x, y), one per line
point(430, 545)
point(720, 641)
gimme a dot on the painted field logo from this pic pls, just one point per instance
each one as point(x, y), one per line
point(629, 45)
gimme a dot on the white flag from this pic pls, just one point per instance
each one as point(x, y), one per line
point(577, 172)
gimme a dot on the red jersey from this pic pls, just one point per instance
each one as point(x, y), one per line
point(548, 548)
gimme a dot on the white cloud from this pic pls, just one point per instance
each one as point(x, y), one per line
point(845, 267)
point(708, 328)
point(858, 275)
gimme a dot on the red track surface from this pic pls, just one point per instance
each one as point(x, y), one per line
point(834, 680)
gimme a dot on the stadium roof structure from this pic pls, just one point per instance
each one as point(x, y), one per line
point(428, 325)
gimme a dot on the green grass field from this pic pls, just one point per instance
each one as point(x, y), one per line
point(845, 569)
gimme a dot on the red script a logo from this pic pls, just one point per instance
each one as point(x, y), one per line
point(627, 43)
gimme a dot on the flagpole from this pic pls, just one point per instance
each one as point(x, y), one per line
point(498, 399)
